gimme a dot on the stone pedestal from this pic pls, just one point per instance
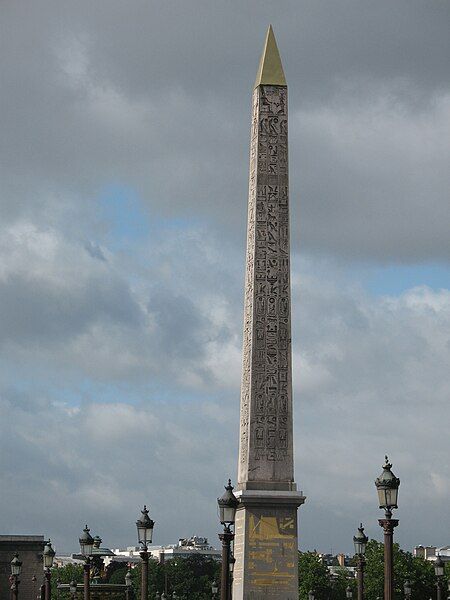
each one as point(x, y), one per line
point(265, 545)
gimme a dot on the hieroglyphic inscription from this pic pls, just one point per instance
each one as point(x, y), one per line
point(266, 398)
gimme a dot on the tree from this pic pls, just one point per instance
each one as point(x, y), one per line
point(419, 572)
point(312, 575)
point(192, 577)
point(65, 574)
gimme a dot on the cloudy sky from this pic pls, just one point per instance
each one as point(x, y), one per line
point(124, 165)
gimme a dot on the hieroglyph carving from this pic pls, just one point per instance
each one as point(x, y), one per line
point(266, 395)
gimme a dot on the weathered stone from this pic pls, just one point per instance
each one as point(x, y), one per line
point(266, 526)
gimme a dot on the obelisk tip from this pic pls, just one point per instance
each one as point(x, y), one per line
point(270, 71)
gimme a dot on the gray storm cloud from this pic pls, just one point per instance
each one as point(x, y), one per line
point(119, 358)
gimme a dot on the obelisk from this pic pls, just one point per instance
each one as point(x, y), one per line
point(266, 546)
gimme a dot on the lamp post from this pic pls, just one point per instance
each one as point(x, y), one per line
point(360, 542)
point(311, 595)
point(387, 485)
point(73, 589)
point(48, 556)
point(232, 563)
point(407, 589)
point(129, 584)
point(145, 534)
point(214, 589)
point(16, 569)
point(348, 592)
point(228, 504)
point(439, 568)
point(86, 545)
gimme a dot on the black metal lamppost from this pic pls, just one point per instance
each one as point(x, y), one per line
point(48, 556)
point(360, 542)
point(439, 569)
point(16, 569)
point(214, 589)
point(311, 595)
point(387, 485)
point(145, 535)
point(348, 592)
point(232, 563)
point(407, 589)
point(129, 584)
point(228, 504)
point(73, 589)
point(86, 545)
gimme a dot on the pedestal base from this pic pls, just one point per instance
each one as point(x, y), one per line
point(266, 545)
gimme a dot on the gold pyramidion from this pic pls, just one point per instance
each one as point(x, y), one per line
point(270, 71)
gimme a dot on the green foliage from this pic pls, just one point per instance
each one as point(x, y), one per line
point(190, 577)
point(312, 575)
point(339, 583)
point(118, 575)
point(419, 572)
point(65, 574)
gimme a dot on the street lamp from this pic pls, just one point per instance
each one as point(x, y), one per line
point(73, 589)
point(232, 563)
point(86, 545)
point(310, 595)
point(128, 583)
point(227, 504)
point(360, 541)
point(214, 589)
point(144, 527)
point(48, 556)
point(407, 589)
point(348, 592)
point(439, 569)
point(16, 569)
point(387, 485)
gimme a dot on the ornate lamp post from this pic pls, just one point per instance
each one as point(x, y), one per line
point(439, 568)
point(228, 504)
point(311, 595)
point(129, 584)
point(73, 589)
point(407, 589)
point(232, 563)
point(145, 535)
point(387, 487)
point(360, 541)
point(348, 592)
point(16, 569)
point(48, 556)
point(214, 589)
point(86, 545)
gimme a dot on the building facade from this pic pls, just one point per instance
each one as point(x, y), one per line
point(30, 549)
